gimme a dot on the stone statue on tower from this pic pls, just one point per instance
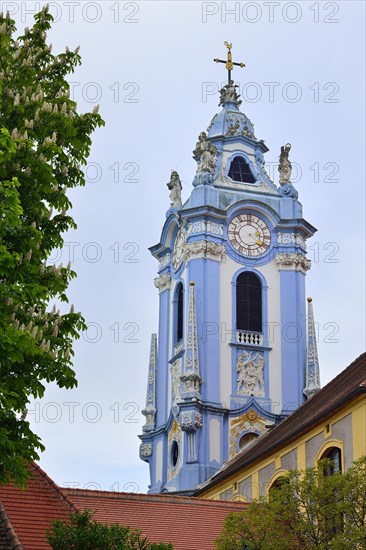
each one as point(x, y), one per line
point(285, 166)
point(175, 188)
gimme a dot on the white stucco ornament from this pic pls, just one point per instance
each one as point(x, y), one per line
point(291, 239)
point(176, 371)
point(146, 449)
point(250, 380)
point(165, 260)
point(296, 262)
point(179, 247)
point(190, 420)
point(204, 249)
point(205, 227)
point(163, 282)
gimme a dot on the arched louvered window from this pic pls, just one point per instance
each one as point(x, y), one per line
point(248, 302)
point(246, 439)
point(179, 323)
point(240, 171)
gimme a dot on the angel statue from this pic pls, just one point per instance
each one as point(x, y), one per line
point(175, 188)
point(205, 154)
point(285, 167)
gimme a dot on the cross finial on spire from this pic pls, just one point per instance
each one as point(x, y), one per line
point(229, 63)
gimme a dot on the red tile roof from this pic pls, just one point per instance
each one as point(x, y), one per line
point(189, 523)
point(31, 510)
point(348, 385)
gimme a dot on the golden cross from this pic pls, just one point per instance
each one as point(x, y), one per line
point(229, 63)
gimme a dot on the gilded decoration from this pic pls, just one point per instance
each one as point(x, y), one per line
point(250, 422)
point(175, 432)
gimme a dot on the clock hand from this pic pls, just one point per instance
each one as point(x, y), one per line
point(257, 241)
point(252, 236)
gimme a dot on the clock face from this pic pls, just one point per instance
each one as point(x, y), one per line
point(178, 249)
point(249, 235)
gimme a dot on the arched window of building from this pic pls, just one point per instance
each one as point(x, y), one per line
point(240, 171)
point(179, 313)
point(246, 439)
point(278, 484)
point(248, 302)
point(335, 455)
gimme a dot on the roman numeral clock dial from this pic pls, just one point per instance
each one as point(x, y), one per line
point(249, 235)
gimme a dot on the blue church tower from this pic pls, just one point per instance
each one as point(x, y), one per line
point(230, 358)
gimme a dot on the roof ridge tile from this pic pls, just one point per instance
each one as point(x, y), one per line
point(54, 486)
point(9, 530)
point(159, 497)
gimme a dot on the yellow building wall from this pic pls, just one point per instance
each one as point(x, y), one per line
point(354, 412)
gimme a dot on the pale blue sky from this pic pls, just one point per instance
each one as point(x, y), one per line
point(150, 63)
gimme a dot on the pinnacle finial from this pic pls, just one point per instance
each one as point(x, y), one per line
point(191, 377)
point(312, 361)
point(150, 408)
